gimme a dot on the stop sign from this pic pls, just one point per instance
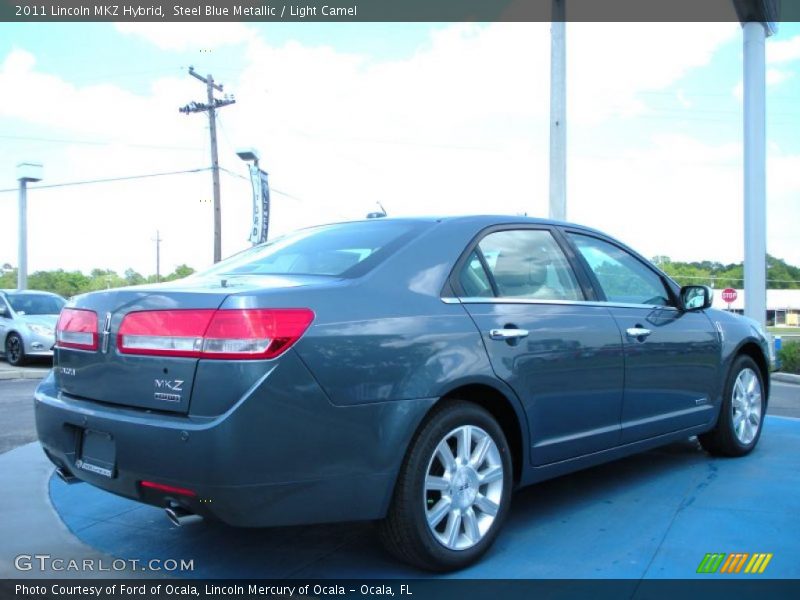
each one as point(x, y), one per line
point(729, 295)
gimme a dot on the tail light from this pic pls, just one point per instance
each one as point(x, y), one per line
point(77, 328)
point(223, 334)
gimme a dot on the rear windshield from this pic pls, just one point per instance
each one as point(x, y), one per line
point(35, 304)
point(339, 250)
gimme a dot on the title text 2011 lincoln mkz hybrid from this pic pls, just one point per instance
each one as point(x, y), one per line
point(412, 371)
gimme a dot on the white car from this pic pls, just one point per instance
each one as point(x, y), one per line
point(27, 323)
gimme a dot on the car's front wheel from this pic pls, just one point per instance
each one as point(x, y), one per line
point(15, 350)
point(742, 413)
point(453, 491)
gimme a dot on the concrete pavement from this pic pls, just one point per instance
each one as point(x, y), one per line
point(786, 378)
point(29, 525)
point(36, 370)
point(16, 413)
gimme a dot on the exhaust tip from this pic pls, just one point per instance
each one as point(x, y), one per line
point(179, 516)
point(66, 476)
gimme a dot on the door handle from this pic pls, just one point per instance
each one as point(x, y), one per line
point(638, 332)
point(508, 334)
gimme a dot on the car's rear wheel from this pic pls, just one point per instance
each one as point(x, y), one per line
point(453, 491)
point(742, 413)
point(15, 350)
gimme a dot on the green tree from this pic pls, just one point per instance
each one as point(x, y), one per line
point(181, 271)
point(8, 279)
point(133, 277)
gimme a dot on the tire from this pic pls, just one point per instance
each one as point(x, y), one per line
point(15, 350)
point(459, 501)
point(741, 417)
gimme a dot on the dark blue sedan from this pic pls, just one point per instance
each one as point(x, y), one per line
point(412, 371)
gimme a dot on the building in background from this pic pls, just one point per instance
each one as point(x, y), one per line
point(783, 306)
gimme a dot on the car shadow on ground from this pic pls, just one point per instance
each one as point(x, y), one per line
point(45, 362)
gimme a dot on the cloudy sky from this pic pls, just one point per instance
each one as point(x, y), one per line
point(425, 118)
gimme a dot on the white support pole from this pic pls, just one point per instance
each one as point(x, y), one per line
point(755, 166)
point(558, 113)
point(22, 259)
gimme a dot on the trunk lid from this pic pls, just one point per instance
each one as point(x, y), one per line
point(149, 382)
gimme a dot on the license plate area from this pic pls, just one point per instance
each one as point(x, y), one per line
point(98, 453)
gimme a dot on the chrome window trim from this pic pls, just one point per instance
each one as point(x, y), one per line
point(556, 302)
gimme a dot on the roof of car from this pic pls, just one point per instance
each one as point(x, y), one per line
point(486, 220)
point(39, 292)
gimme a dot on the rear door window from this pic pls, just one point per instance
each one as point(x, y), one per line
point(522, 263)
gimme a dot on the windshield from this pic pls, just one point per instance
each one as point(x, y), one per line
point(35, 304)
point(326, 250)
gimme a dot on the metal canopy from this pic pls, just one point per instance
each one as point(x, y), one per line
point(759, 11)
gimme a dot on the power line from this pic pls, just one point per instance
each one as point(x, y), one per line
point(714, 277)
point(271, 189)
point(103, 77)
point(95, 142)
point(109, 179)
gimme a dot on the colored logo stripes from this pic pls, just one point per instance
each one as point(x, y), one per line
point(735, 562)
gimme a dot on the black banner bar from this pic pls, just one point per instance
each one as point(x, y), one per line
point(412, 589)
point(398, 10)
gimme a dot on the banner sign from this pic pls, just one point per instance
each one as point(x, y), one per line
point(260, 227)
point(470, 11)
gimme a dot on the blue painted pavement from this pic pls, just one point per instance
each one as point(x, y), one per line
point(654, 515)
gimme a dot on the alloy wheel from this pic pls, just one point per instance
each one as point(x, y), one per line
point(746, 406)
point(13, 349)
point(463, 487)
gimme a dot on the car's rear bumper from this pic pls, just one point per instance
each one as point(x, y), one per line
point(283, 454)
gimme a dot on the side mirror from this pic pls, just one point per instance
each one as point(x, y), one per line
point(696, 297)
point(3, 312)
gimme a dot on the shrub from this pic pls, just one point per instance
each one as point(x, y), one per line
point(789, 355)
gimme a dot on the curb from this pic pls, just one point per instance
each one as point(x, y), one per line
point(6, 374)
point(786, 378)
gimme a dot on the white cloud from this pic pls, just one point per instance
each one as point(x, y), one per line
point(610, 64)
point(776, 76)
point(781, 51)
point(90, 111)
point(680, 197)
point(189, 36)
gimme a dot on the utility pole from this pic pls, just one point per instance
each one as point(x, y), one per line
point(558, 112)
point(211, 108)
point(158, 239)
